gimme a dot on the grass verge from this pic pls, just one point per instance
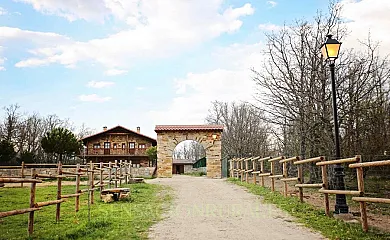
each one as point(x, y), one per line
point(311, 217)
point(118, 220)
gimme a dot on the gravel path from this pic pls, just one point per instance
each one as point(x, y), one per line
point(215, 209)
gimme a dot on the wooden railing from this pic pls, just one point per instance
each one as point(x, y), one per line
point(116, 151)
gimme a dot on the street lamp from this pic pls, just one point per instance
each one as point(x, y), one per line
point(330, 51)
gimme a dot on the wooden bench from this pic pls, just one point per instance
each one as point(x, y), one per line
point(117, 193)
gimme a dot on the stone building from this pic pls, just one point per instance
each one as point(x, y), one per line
point(118, 143)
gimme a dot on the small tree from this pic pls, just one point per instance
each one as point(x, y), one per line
point(27, 157)
point(7, 151)
point(60, 141)
point(152, 154)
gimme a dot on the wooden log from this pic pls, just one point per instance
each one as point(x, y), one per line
point(340, 161)
point(70, 195)
point(372, 200)
point(277, 176)
point(262, 171)
point(346, 192)
point(59, 188)
point(22, 173)
point(19, 180)
point(289, 179)
point(370, 164)
point(362, 205)
point(42, 204)
point(310, 185)
point(109, 174)
point(92, 182)
point(116, 174)
point(272, 179)
point(315, 159)
point(285, 186)
point(49, 176)
point(264, 159)
point(32, 204)
point(248, 171)
point(77, 199)
point(101, 185)
point(10, 167)
point(256, 172)
point(276, 159)
point(324, 174)
point(17, 212)
point(71, 173)
point(264, 174)
point(291, 159)
point(300, 181)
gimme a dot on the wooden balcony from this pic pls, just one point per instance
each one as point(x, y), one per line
point(114, 152)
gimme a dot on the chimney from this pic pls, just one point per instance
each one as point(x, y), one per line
point(104, 128)
point(138, 130)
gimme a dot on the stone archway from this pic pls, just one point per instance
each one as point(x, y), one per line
point(209, 136)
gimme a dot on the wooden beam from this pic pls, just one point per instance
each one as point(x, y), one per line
point(42, 204)
point(370, 164)
point(19, 180)
point(17, 212)
point(340, 161)
point(372, 200)
point(291, 159)
point(277, 176)
point(289, 179)
point(346, 192)
point(315, 159)
point(310, 185)
point(276, 159)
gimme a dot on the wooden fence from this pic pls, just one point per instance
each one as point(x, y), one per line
point(240, 168)
point(117, 172)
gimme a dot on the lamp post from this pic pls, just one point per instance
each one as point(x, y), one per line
point(330, 51)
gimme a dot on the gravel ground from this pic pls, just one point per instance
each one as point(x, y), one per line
point(215, 209)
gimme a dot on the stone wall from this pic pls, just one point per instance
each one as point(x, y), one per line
point(168, 140)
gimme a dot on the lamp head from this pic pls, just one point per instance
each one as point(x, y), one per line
point(331, 48)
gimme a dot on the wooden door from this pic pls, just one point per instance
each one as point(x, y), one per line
point(107, 146)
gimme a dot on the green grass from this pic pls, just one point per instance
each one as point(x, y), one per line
point(311, 217)
point(118, 220)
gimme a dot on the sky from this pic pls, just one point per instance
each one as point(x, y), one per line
point(142, 63)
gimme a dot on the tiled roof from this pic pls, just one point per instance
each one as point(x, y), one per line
point(93, 135)
point(187, 127)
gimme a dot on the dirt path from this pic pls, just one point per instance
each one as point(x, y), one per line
point(214, 209)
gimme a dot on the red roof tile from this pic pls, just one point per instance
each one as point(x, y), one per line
point(93, 135)
point(187, 127)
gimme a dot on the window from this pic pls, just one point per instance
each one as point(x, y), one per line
point(114, 145)
point(123, 145)
point(141, 145)
point(131, 145)
point(107, 145)
point(96, 145)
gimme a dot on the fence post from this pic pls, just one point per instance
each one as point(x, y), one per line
point(272, 179)
point(300, 176)
point(109, 174)
point(59, 183)
point(254, 168)
point(22, 173)
point(101, 179)
point(285, 175)
point(91, 182)
point(362, 204)
point(262, 171)
point(32, 204)
point(120, 173)
point(325, 186)
point(116, 173)
point(77, 199)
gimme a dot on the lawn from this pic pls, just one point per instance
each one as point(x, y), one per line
point(312, 217)
point(129, 219)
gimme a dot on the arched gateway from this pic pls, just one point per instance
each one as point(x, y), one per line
point(168, 136)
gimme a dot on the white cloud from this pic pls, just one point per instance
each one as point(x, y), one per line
point(269, 27)
point(3, 11)
point(93, 98)
point(140, 88)
point(272, 3)
point(367, 16)
point(2, 60)
point(231, 82)
point(114, 72)
point(2, 68)
point(158, 28)
point(99, 84)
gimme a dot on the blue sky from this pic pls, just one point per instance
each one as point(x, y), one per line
point(142, 63)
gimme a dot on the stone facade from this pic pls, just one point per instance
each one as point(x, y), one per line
point(168, 140)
